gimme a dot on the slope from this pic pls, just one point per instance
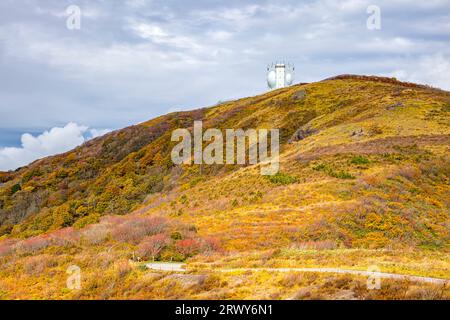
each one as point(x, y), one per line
point(364, 179)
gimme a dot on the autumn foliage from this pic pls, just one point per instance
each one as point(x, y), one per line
point(364, 179)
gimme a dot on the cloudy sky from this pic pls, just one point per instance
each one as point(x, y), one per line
point(132, 60)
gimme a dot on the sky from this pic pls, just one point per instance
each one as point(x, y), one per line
point(132, 60)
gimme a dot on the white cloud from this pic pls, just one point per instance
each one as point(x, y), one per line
point(137, 4)
point(231, 14)
point(54, 141)
point(220, 35)
point(86, 12)
point(353, 5)
point(98, 133)
point(433, 70)
point(156, 34)
point(393, 45)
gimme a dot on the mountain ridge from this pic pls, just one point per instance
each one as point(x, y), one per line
point(135, 150)
point(337, 77)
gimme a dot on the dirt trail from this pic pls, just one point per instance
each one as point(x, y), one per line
point(167, 266)
point(345, 271)
point(181, 267)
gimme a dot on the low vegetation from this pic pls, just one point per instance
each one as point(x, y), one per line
point(364, 180)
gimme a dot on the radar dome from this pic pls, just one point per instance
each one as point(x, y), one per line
point(289, 79)
point(272, 79)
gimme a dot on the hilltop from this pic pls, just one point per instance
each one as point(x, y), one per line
point(364, 179)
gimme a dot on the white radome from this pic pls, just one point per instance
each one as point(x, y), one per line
point(289, 79)
point(271, 79)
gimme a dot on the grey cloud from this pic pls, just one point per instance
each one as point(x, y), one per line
point(136, 59)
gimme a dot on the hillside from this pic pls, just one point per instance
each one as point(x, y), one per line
point(364, 179)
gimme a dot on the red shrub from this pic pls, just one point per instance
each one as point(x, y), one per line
point(317, 245)
point(409, 172)
point(65, 237)
point(152, 246)
point(6, 248)
point(96, 234)
point(211, 244)
point(35, 244)
point(134, 229)
point(188, 247)
point(36, 265)
point(112, 220)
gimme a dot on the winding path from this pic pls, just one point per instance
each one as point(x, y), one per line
point(346, 271)
point(180, 267)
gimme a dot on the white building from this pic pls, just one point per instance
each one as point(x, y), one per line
point(280, 75)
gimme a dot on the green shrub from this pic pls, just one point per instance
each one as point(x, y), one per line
point(90, 219)
point(195, 181)
point(15, 188)
point(5, 229)
point(184, 199)
point(332, 172)
point(360, 160)
point(320, 167)
point(170, 254)
point(341, 175)
point(177, 213)
point(282, 179)
point(176, 235)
